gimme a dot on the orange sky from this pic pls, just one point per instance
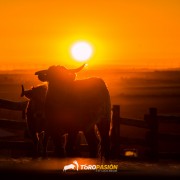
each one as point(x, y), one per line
point(132, 32)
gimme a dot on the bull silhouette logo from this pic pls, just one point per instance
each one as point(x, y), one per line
point(73, 166)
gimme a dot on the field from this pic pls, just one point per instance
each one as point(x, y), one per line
point(134, 90)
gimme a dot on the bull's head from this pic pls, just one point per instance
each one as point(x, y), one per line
point(58, 74)
point(37, 93)
point(26, 93)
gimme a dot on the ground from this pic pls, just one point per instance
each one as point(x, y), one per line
point(52, 168)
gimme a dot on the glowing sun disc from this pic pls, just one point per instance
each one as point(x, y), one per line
point(81, 51)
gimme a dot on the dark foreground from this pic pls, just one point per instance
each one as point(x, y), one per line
point(52, 168)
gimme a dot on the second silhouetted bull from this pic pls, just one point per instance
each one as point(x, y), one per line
point(36, 116)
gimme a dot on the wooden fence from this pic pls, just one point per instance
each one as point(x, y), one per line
point(11, 124)
point(152, 138)
point(150, 124)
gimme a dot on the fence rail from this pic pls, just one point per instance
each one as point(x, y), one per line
point(22, 145)
point(12, 124)
point(133, 122)
point(132, 141)
point(169, 137)
point(11, 105)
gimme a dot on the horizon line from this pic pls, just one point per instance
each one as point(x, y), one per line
point(114, 66)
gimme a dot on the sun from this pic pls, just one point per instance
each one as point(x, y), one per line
point(81, 51)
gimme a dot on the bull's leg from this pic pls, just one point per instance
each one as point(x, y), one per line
point(104, 127)
point(58, 145)
point(71, 144)
point(35, 139)
point(92, 141)
point(45, 142)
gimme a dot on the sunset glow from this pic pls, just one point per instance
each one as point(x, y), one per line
point(122, 33)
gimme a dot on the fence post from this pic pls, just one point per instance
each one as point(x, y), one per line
point(115, 131)
point(153, 134)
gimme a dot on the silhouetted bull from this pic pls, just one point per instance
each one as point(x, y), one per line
point(72, 105)
point(36, 115)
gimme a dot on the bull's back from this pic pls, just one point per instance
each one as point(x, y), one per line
point(92, 94)
point(90, 90)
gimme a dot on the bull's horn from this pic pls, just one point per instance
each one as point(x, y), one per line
point(22, 92)
point(41, 72)
point(77, 69)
